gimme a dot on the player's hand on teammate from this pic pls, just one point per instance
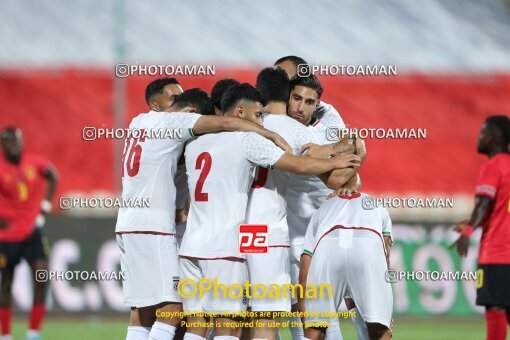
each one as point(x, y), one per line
point(347, 160)
point(317, 151)
point(344, 191)
point(347, 190)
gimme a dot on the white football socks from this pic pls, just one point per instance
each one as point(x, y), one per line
point(297, 332)
point(361, 326)
point(162, 331)
point(191, 336)
point(137, 333)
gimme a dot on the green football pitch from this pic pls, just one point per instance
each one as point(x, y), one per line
point(94, 328)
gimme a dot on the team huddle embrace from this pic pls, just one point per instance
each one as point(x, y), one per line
point(251, 156)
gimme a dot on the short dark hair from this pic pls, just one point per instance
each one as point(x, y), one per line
point(273, 84)
point(501, 124)
point(310, 81)
point(236, 93)
point(219, 89)
point(196, 98)
point(157, 86)
point(296, 60)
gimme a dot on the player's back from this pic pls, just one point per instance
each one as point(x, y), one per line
point(219, 178)
point(267, 203)
point(348, 213)
point(148, 170)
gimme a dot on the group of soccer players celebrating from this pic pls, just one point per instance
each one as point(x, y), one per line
point(249, 156)
point(258, 156)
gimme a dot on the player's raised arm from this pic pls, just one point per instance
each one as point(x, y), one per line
point(260, 151)
point(315, 166)
point(346, 178)
point(197, 101)
point(207, 124)
point(346, 145)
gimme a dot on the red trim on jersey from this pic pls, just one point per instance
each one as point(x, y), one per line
point(486, 190)
point(317, 122)
point(231, 258)
point(143, 232)
point(347, 197)
point(353, 228)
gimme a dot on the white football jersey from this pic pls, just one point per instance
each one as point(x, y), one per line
point(220, 169)
point(306, 193)
point(266, 204)
point(329, 118)
point(346, 212)
point(148, 169)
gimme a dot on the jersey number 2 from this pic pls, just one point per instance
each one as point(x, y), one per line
point(204, 162)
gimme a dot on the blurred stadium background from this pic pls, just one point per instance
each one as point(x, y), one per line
point(57, 63)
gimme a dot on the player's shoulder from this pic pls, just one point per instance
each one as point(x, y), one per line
point(328, 115)
point(324, 105)
point(37, 161)
point(247, 135)
point(498, 164)
point(501, 160)
point(216, 137)
point(157, 118)
point(32, 158)
point(272, 121)
point(139, 119)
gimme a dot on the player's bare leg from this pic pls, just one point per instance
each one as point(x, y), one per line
point(377, 331)
point(5, 301)
point(223, 326)
point(297, 329)
point(168, 319)
point(38, 308)
point(266, 329)
point(143, 317)
point(140, 323)
point(194, 329)
point(313, 333)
